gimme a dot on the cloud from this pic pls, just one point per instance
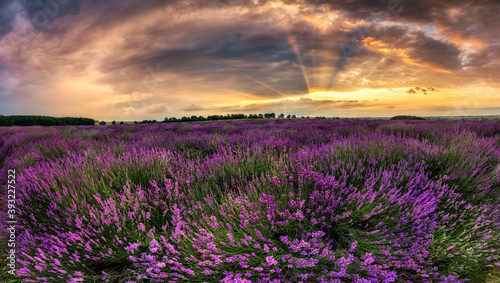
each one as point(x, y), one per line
point(156, 108)
point(42, 13)
point(423, 90)
point(7, 17)
point(435, 52)
point(193, 107)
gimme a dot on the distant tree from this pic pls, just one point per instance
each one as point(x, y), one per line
point(135, 122)
point(281, 116)
point(293, 116)
point(288, 116)
point(102, 123)
point(269, 115)
point(261, 116)
point(121, 123)
point(239, 116)
point(308, 117)
point(302, 117)
point(114, 122)
point(407, 117)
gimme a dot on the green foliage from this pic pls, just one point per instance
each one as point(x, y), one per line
point(30, 120)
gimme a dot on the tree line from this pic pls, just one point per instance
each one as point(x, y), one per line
point(31, 120)
point(220, 117)
point(407, 117)
point(227, 117)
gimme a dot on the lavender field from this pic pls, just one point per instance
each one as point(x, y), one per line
point(257, 201)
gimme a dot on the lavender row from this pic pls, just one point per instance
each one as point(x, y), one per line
point(258, 201)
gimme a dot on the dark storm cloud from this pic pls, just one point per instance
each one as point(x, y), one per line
point(457, 19)
point(413, 10)
point(250, 57)
point(484, 57)
point(439, 53)
point(43, 12)
point(7, 17)
point(243, 45)
point(262, 46)
point(272, 47)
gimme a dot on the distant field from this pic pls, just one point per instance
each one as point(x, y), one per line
point(256, 201)
point(207, 121)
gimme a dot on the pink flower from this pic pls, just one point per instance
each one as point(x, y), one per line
point(353, 246)
point(270, 260)
point(141, 227)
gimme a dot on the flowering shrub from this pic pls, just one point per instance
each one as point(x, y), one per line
point(257, 201)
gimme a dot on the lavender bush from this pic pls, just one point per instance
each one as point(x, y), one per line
point(257, 201)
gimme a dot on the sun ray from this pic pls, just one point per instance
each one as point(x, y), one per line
point(265, 85)
point(295, 49)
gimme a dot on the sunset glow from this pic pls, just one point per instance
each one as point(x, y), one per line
point(132, 60)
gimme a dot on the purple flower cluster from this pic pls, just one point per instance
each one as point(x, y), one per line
point(257, 201)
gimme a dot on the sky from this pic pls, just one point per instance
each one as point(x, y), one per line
point(130, 60)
